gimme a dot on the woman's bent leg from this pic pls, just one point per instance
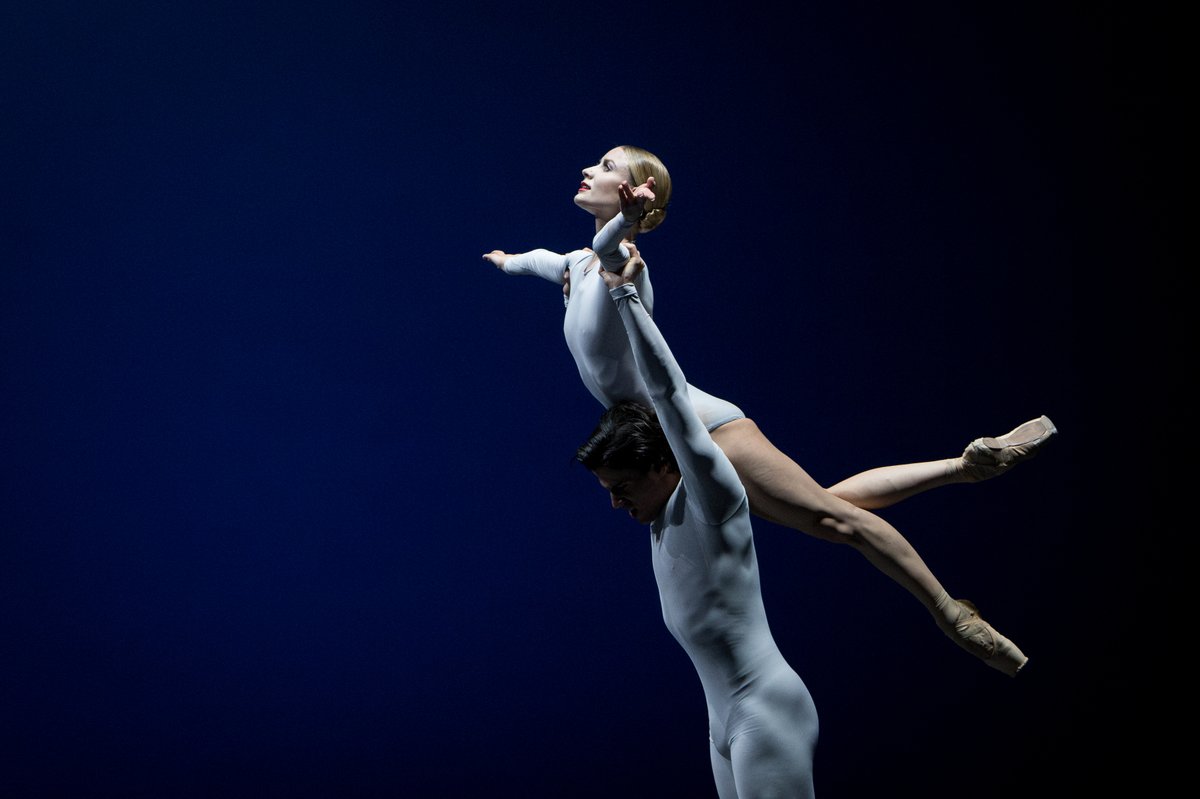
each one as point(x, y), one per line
point(782, 492)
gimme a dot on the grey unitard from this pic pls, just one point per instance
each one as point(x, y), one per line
point(762, 720)
point(592, 330)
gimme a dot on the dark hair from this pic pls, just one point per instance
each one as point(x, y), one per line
point(628, 437)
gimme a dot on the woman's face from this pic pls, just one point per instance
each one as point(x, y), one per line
point(597, 192)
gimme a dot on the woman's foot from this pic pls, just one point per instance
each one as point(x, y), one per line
point(961, 622)
point(988, 457)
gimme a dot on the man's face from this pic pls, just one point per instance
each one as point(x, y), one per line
point(642, 494)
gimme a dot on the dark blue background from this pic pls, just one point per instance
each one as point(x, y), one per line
point(287, 501)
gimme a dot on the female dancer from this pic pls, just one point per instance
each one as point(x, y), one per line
point(779, 490)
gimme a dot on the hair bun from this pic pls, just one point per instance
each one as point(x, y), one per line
point(652, 219)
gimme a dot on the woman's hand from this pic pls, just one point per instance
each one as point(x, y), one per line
point(629, 272)
point(498, 258)
point(633, 201)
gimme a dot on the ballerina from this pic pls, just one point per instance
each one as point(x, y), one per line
point(628, 193)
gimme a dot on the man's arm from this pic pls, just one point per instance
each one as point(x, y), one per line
point(710, 478)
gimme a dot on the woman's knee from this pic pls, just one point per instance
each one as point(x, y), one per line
point(844, 523)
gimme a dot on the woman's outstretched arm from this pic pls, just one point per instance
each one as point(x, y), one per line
point(541, 263)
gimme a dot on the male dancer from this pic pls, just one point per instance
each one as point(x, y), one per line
point(662, 467)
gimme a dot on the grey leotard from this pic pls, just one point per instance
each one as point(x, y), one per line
point(762, 720)
point(592, 329)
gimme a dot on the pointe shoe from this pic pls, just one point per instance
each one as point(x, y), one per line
point(988, 457)
point(979, 638)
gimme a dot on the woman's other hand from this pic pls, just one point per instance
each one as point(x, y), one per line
point(633, 201)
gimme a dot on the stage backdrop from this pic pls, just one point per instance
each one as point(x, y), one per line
point(286, 487)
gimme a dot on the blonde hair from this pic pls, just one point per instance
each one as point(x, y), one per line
point(642, 165)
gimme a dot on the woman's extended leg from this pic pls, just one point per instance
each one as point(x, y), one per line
point(982, 459)
point(782, 492)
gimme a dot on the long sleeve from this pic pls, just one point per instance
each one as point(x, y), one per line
point(607, 243)
point(542, 263)
point(712, 482)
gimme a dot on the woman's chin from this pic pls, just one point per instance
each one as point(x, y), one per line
point(583, 201)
